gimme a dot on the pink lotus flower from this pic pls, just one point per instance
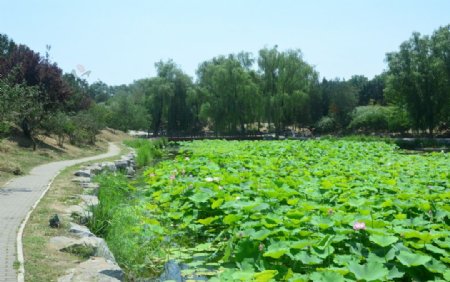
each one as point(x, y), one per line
point(359, 226)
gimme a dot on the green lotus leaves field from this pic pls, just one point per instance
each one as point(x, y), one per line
point(292, 211)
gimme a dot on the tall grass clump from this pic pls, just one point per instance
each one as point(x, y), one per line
point(113, 195)
point(147, 150)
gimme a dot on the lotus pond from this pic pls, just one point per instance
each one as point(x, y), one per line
point(284, 211)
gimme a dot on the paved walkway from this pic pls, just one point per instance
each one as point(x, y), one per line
point(16, 199)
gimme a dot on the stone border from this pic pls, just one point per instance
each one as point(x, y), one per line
point(101, 265)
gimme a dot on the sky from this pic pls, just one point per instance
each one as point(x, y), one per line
point(120, 41)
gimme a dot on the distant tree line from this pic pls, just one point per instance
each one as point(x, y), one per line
point(275, 91)
point(278, 91)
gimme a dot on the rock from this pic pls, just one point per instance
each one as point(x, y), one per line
point(83, 173)
point(81, 179)
point(79, 213)
point(95, 168)
point(109, 166)
point(90, 185)
point(102, 250)
point(122, 164)
point(60, 242)
point(89, 200)
point(95, 269)
point(54, 221)
point(75, 209)
point(80, 230)
point(172, 272)
point(130, 171)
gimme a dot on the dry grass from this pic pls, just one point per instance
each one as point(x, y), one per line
point(41, 262)
point(17, 157)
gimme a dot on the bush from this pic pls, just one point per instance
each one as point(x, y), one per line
point(326, 125)
point(398, 120)
point(370, 118)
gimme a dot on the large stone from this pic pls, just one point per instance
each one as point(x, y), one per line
point(109, 166)
point(83, 173)
point(130, 171)
point(61, 242)
point(79, 213)
point(86, 245)
point(95, 269)
point(89, 200)
point(122, 164)
point(95, 168)
point(103, 250)
point(81, 179)
point(90, 185)
point(80, 230)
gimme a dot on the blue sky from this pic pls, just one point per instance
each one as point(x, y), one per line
point(119, 41)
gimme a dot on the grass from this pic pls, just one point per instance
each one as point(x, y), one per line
point(41, 262)
point(17, 159)
point(147, 150)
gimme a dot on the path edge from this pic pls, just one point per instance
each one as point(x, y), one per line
point(19, 247)
point(20, 256)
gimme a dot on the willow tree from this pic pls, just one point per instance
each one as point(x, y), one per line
point(288, 85)
point(230, 91)
point(419, 78)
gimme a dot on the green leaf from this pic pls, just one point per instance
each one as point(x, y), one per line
point(201, 197)
point(276, 250)
point(325, 242)
point(412, 259)
point(242, 276)
point(208, 220)
point(436, 266)
point(383, 240)
point(326, 276)
point(217, 203)
point(436, 250)
point(260, 235)
point(265, 275)
point(370, 271)
point(305, 258)
point(447, 275)
point(395, 273)
point(302, 244)
point(231, 218)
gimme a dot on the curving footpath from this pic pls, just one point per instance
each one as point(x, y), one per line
point(17, 198)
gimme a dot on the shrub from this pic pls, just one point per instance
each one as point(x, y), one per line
point(370, 118)
point(326, 125)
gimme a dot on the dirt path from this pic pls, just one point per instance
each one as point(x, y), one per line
point(17, 198)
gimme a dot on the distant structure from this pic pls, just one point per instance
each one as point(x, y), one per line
point(81, 71)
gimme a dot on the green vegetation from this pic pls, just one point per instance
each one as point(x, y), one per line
point(329, 210)
point(273, 92)
point(147, 151)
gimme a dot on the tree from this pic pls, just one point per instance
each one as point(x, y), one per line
point(24, 66)
point(288, 87)
point(230, 91)
point(339, 100)
point(100, 92)
point(373, 91)
point(419, 78)
point(179, 116)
